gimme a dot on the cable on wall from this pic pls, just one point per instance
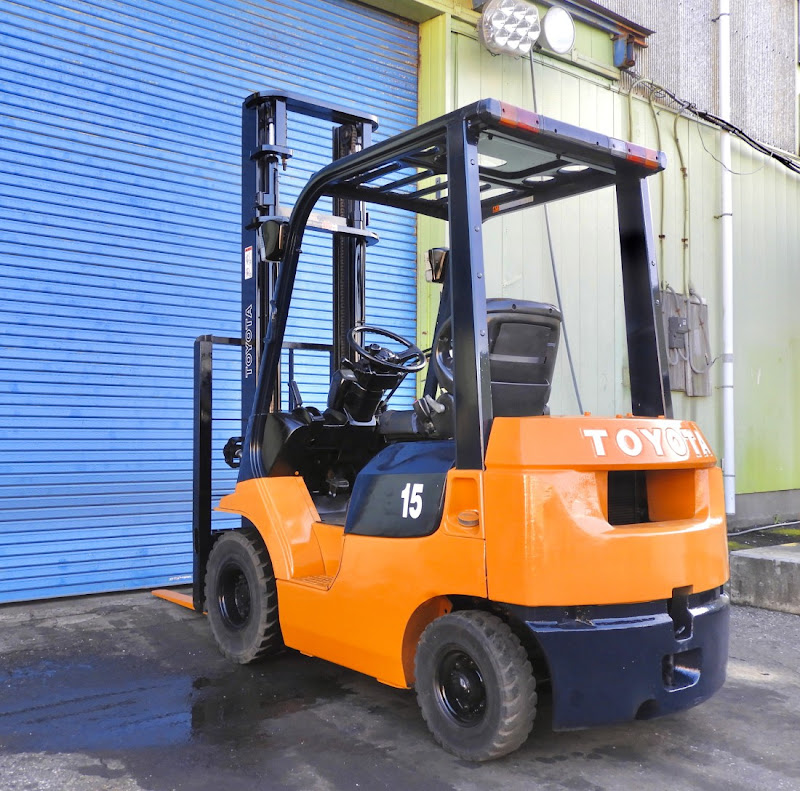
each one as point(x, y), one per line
point(732, 129)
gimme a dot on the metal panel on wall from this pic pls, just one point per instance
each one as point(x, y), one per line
point(119, 244)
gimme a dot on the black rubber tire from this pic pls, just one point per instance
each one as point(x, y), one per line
point(242, 598)
point(495, 661)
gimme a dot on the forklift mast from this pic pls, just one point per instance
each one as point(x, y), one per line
point(265, 152)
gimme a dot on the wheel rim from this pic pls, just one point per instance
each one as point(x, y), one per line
point(460, 689)
point(233, 596)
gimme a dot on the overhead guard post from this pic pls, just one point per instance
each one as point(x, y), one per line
point(467, 287)
point(647, 354)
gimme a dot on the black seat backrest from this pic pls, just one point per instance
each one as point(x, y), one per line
point(523, 343)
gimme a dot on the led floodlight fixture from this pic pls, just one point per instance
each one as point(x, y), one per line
point(509, 27)
point(558, 31)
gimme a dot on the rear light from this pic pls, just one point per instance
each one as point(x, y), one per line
point(518, 118)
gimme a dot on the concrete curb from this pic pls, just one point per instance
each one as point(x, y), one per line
point(767, 577)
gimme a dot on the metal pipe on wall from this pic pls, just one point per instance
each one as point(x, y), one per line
point(726, 229)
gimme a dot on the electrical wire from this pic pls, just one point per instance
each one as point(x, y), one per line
point(726, 126)
point(655, 89)
point(663, 190)
point(692, 298)
point(555, 271)
point(721, 163)
point(686, 258)
point(696, 300)
point(763, 527)
point(638, 82)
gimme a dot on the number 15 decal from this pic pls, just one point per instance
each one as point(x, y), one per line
point(412, 500)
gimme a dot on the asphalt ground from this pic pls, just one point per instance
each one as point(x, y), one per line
point(128, 693)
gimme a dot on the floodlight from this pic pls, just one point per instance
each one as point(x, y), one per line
point(558, 31)
point(509, 27)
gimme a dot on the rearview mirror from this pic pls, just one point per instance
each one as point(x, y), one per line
point(436, 264)
point(273, 239)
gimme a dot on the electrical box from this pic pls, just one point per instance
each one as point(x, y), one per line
point(688, 344)
point(677, 327)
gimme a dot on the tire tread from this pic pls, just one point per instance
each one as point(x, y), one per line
point(269, 640)
point(518, 686)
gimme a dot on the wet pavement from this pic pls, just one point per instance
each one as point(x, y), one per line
point(128, 693)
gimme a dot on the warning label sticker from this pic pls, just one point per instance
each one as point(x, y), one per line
point(248, 263)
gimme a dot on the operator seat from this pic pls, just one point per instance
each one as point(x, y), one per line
point(523, 343)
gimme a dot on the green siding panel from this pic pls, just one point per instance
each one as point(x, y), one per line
point(766, 255)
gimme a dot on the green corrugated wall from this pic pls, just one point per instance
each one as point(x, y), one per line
point(767, 251)
point(767, 315)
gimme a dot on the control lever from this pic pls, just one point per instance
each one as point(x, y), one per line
point(295, 399)
point(426, 409)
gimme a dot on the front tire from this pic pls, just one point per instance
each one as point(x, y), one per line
point(475, 685)
point(242, 597)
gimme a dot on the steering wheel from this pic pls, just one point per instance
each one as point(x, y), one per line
point(410, 361)
point(442, 356)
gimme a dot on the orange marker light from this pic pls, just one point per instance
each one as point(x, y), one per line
point(642, 156)
point(518, 118)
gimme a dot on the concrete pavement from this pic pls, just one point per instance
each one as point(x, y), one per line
point(128, 693)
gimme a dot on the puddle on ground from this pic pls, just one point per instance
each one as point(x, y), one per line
point(112, 704)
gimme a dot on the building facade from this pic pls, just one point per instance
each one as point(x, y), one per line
point(586, 88)
point(119, 210)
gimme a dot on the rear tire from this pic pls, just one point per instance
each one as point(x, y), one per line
point(242, 597)
point(475, 685)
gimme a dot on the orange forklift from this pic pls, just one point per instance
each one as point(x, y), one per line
point(473, 543)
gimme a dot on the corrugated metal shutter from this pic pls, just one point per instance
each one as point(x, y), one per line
point(119, 244)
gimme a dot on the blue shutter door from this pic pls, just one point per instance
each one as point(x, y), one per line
point(119, 244)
